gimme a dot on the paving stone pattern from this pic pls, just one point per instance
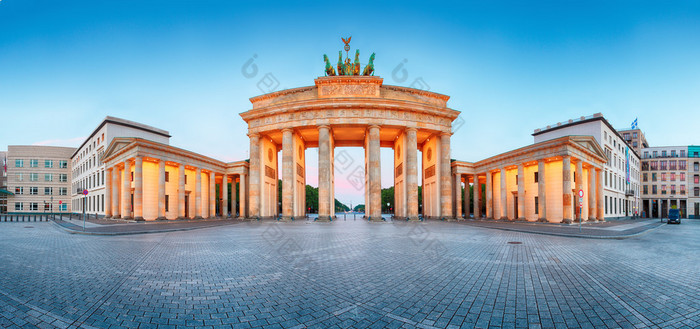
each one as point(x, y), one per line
point(347, 274)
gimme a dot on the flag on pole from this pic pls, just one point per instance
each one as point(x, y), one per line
point(634, 123)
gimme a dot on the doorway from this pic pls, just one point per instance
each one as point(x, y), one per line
point(187, 205)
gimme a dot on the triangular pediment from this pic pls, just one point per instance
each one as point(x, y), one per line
point(116, 145)
point(589, 143)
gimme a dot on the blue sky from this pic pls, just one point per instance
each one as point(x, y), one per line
point(510, 67)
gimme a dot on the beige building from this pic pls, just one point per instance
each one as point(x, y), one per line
point(635, 138)
point(4, 192)
point(671, 178)
point(39, 177)
point(539, 182)
point(87, 161)
point(147, 180)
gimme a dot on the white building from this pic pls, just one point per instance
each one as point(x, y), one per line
point(89, 171)
point(622, 171)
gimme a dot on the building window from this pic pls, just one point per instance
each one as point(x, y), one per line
point(19, 163)
point(47, 206)
point(673, 177)
point(673, 189)
point(645, 165)
point(20, 177)
point(48, 163)
point(537, 206)
point(663, 189)
point(653, 189)
point(682, 176)
point(696, 166)
point(185, 179)
point(653, 165)
point(681, 165)
point(645, 177)
point(63, 178)
point(663, 154)
point(62, 191)
point(33, 163)
point(606, 204)
point(646, 189)
point(33, 177)
point(673, 153)
point(19, 206)
point(634, 134)
point(19, 190)
point(663, 165)
point(33, 190)
point(167, 203)
point(696, 190)
point(646, 154)
point(63, 164)
point(132, 176)
point(655, 154)
point(48, 190)
point(48, 177)
point(634, 144)
point(696, 179)
point(663, 176)
point(672, 165)
point(167, 176)
point(682, 189)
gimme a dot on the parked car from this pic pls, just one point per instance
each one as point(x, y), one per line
point(674, 216)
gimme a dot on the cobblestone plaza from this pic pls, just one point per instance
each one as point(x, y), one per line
point(347, 274)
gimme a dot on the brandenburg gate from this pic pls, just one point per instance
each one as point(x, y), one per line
point(347, 111)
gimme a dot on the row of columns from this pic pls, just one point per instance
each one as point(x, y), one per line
point(118, 200)
point(595, 193)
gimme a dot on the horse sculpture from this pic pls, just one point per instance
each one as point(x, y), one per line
point(356, 65)
point(330, 71)
point(369, 69)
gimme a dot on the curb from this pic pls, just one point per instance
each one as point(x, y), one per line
point(72, 231)
point(601, 237)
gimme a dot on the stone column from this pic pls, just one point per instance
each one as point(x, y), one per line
point(253, 195)
point(521, 192)
point(445, 175)
point(458, 195)
point(287, 174)
point(108, 194)
point(467, 196)
point(126, 190)
point(591, 194)
point(181, 191)
point(224, 197)
point(566, 190)
point(600, 206)
point(489, 195)
point(412, 173)
point(138, 188)
point(375, 178)
point(242, 196)
point(115, 192)
point(212, 194)
point(579, 186)
point(198, 193)
point(541, 191)
point(161, 189)
point(504, 196)
point(477, 197)
point(324, 173)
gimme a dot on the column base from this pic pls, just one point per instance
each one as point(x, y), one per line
point(591, 219)
point(567, 221)
point(375, 218)
point(521, 219)
point(286, 219)
point(323, 219)
point(161, 218)
point(601, 219)
point(504, 219)
point(198, 217)
point(542, 220)
point(139, 219)
point(412, 219)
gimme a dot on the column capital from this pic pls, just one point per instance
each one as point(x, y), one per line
point(323, 127)
point(287, 129)
point(445, 133)
point(411, 129)
point(253, 135)
point(374, 126)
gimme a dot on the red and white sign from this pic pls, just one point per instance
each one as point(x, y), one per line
point(85, 192)
point(580, 193)
point(60, 201)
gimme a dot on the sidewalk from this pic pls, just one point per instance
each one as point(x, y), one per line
point(116, 227)
point(614, 229)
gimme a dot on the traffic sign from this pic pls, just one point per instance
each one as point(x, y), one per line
point(580, 193)
point(580, 204)
point(85, 192)
point(60, 201)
